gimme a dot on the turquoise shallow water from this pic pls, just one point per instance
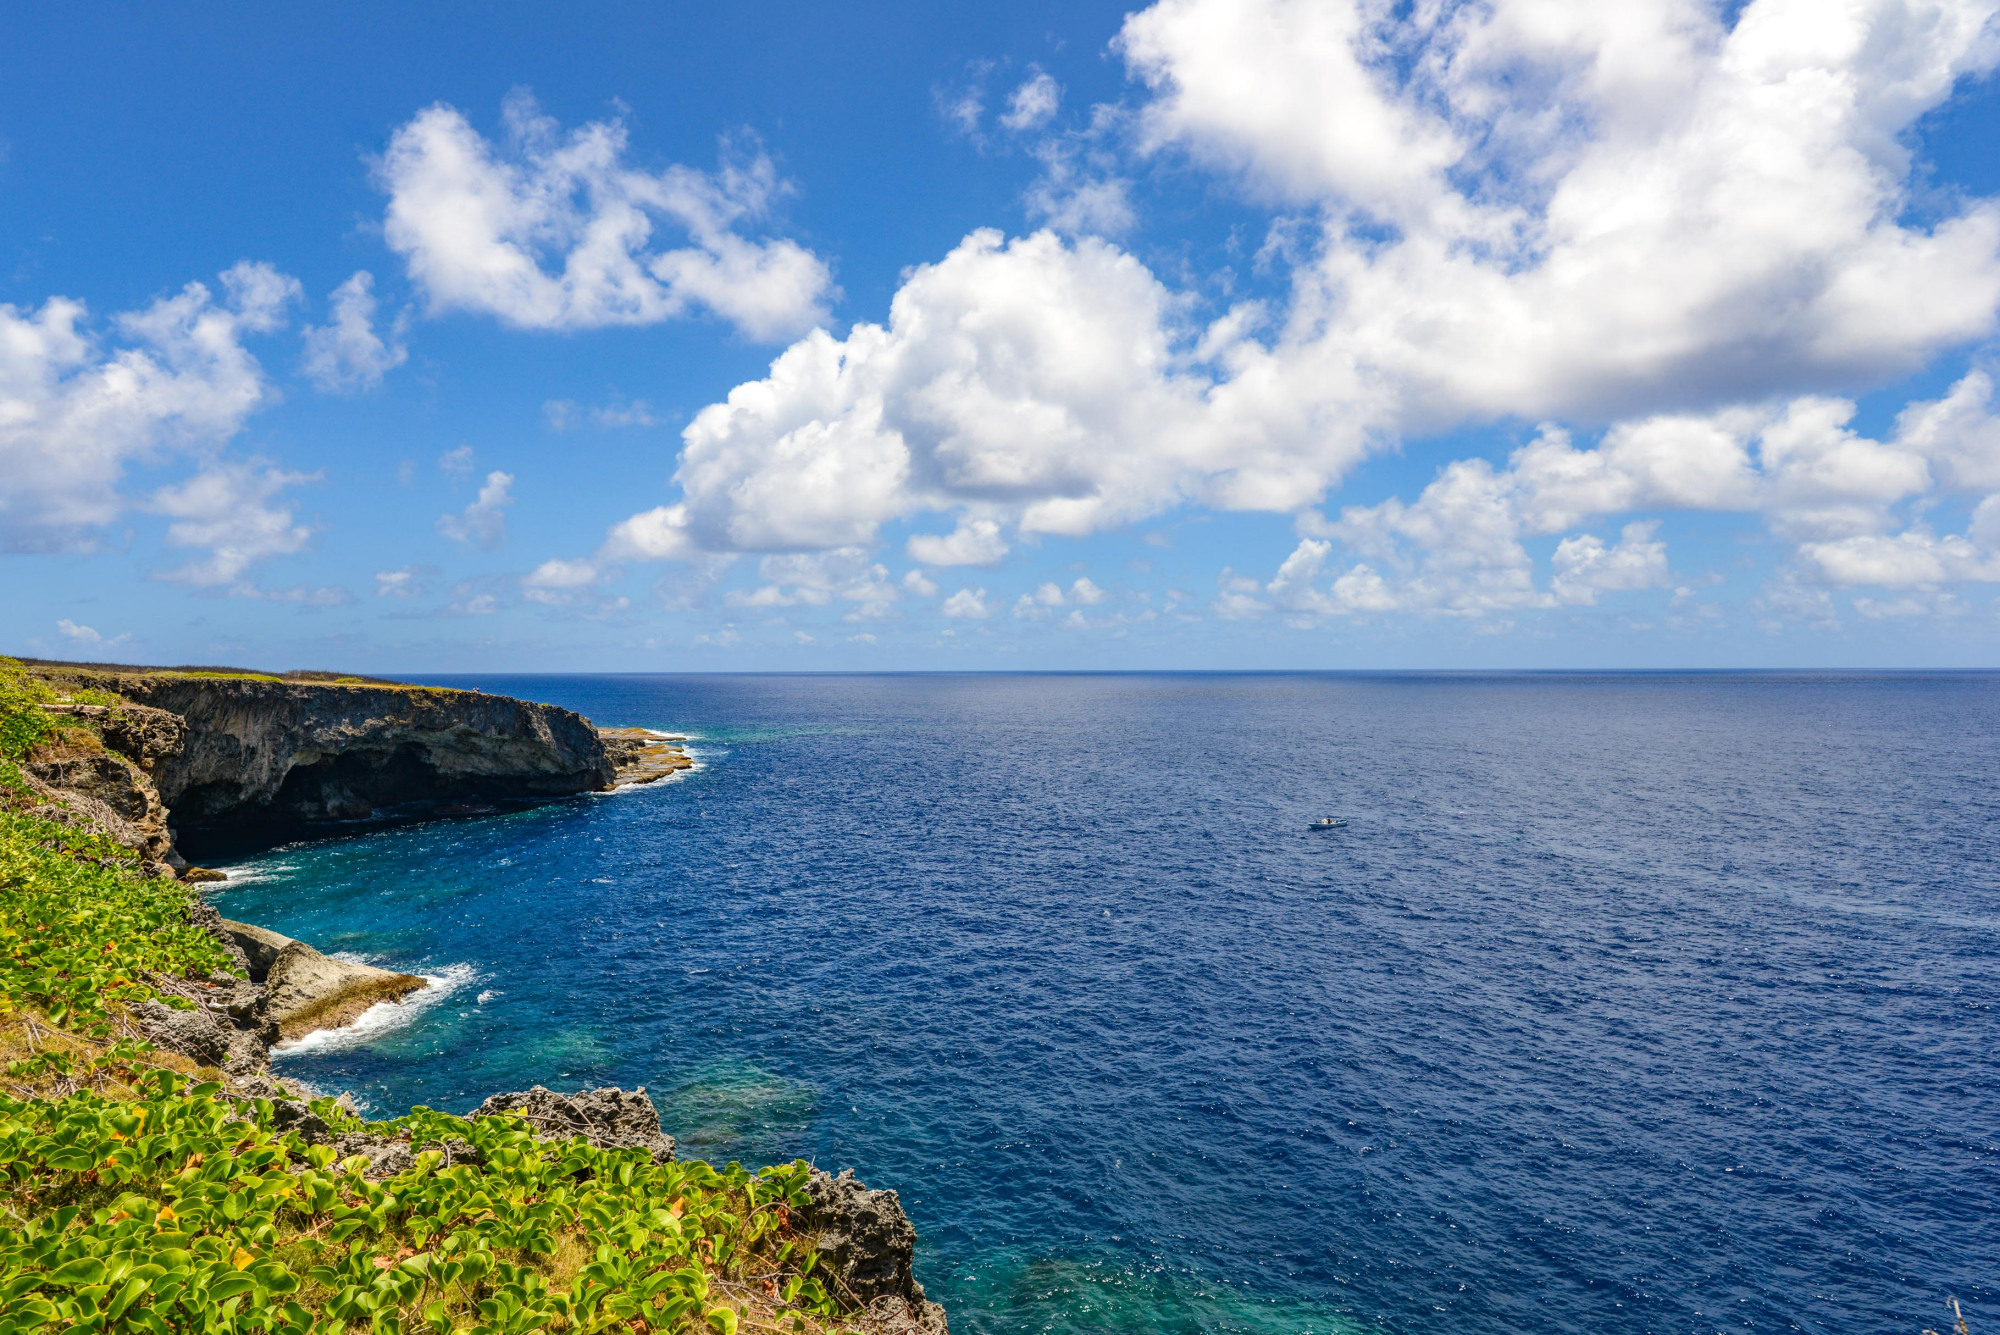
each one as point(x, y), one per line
point(1624, 1003)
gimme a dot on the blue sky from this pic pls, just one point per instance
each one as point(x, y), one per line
point(1220, 333)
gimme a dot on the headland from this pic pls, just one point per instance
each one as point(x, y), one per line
point(125, 997)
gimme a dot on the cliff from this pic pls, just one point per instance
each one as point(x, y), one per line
point(266, 759)
point(135, 1026)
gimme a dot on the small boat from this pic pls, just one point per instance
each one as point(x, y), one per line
point(1325, 823)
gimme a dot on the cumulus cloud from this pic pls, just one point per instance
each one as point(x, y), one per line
point(556, 231)
point(483, 523)
point(1033, 379)
point(975, 542)
point(968, 605)
point(232, 512)
point(1585, 567)
point(347, 354)
point(1680, 220)
point(1835, 494)
point(76, 409)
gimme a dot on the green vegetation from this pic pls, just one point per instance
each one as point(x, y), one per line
point(184, 1210)
point(138, 1196)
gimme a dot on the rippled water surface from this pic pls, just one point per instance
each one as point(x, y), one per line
point(1621, 1004)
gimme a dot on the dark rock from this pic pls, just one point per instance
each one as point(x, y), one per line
point(267, 760)
point(455, 1149)
point(868, 1243)
point(289, 1115)
point(386, 1155)
point(79, 783)
point(609, 1118)
point(203, 915)
point(196, 1034)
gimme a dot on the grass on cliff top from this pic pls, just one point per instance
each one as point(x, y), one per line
point(135, 1201)
point(57, 669)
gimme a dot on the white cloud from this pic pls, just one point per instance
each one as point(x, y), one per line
point(1039, 605)
point(404, 583)
point(457, 464)
point(87, 635)
point(482, 226)
point(1645, 214)
point(817, 579)
point(229, 510)
point(74, 412)
point(1913, 558)
point(1033, 104)
point(968, 605)
point(483, 523)
point(920, 584)
point(1087, 593)
point(1592, 211)
point(347, 354)
point(1032, 379)
point(1958, 434)
point(1080, 192)
point(1585, 567)
point(975, 542)
point(1236, 598)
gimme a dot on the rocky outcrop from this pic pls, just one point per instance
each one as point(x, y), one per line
point(869, 1244)
point(100, 774)
point(609, 1118)
point(264, 760)
point(639, 755)
point(306, 990)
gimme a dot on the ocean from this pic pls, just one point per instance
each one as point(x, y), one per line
point(1621, 1003)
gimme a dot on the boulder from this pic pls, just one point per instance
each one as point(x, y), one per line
point(386, 1155)
point(609, 1118)
point(869, 1244)
point(307, 990)
point(196, 1034)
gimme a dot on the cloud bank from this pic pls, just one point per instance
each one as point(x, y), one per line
point(1645, 220)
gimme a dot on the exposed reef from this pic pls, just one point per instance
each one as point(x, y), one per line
point(640, 755)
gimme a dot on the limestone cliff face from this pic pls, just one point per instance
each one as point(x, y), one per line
point(265, 760)
point(101, 776)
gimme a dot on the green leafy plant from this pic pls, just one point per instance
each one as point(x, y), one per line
point(136, 1201)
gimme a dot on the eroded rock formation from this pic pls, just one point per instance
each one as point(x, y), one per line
point(306, 990)
point(870, 1244)
point(609, 1118)
point(264, 760)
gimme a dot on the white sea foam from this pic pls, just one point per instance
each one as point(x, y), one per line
point(384, 1017)
point(486, 996)
point(264, 871)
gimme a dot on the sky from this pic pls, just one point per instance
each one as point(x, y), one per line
point(1211, 334)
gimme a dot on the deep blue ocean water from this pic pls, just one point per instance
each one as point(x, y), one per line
point(1622, 1004)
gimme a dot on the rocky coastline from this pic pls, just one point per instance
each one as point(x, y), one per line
point(210, 759)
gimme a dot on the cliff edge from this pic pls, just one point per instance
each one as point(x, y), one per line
point(264, 759)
